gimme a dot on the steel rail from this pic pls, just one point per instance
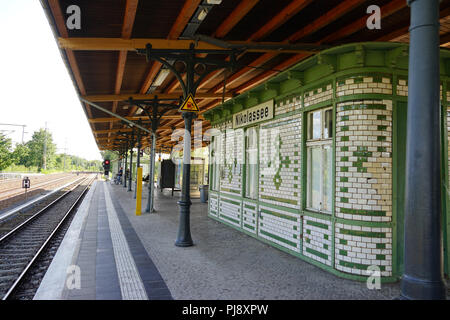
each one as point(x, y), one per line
point(4, 195)
point(49, 238)
point(20, 226)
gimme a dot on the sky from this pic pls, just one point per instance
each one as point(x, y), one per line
point(35, 86)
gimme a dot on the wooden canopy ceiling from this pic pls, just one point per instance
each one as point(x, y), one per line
point(108, 70)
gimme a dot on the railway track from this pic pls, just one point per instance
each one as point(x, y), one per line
point(8, 193)
point(27, 250)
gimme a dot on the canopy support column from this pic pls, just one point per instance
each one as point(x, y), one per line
point(125, 168)
point(423, 274)
point(138, 160)
point(151, 185)
point(184, 238)
point(130, 178)
point(195, 66)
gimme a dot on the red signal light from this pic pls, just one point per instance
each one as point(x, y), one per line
point(106, 161)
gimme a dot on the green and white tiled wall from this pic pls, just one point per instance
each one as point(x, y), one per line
point(280, 161)
point(317, 238)
point(364, 160)
point(360, 231)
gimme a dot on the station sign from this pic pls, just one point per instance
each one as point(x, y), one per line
point(261, 112)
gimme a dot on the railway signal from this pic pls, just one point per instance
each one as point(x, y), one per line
point(26, 183)
point(106, 166)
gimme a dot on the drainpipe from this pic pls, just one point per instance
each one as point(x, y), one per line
point(423, 274)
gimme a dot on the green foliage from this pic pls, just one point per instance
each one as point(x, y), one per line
point(21, 155)
point(36, 149)
point(108, 154)
point(5, 152)
point(28, 157)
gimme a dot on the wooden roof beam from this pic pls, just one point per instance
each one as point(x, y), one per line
point(235, 16)
point(135, 118)
point(127, 27)
point(96, 132)
point(124, 96)
point(315, 25)
point(119, 44)
point(281, 17)
point(189, 8)
point(387, 10)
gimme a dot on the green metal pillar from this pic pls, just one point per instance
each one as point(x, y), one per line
point(138, 160)
point(423, 260)
point(130, 178)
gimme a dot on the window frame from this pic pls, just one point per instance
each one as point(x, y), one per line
point(320, 143)
point(246, 165)
point(215, 162)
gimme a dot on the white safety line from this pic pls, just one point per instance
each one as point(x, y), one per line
point(131, 284)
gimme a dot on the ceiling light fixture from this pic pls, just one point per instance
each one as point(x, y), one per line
point(202, 15)
point(161, 77)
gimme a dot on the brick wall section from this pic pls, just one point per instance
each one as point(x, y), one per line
point(364, 85)
point(213, 204)
point(402, 87)
point(230, 210)
point(363, 185)
point(317, 239)
point(363, 178)
point(289, 105)
point(318, 95)
point(364, 160)
point(232, 164)
point(249, 217)
point(280, 227)
point(280, 172)
point(358, 247)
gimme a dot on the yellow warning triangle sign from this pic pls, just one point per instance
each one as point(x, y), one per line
point(189, 105)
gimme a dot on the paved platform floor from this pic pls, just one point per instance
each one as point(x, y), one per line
point(123, 256)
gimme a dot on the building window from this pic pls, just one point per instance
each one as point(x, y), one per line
point(251, 162)
point(215, 162)
point(320, 160)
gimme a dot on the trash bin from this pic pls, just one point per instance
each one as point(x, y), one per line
point(203, 192)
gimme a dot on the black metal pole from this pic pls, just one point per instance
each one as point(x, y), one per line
point(119, 163)
point(423, 274)
point(151, 175)
point(184, 238)
point(125, 168)
point(138, 160)
point(130, 178)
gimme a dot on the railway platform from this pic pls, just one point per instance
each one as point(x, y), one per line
point(110, 253)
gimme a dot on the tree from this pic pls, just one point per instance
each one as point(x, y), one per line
point(5, 152)
point(36, 149)
point(21, 155)
point(108, 154)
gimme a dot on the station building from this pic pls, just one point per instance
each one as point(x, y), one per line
point(312, 161)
